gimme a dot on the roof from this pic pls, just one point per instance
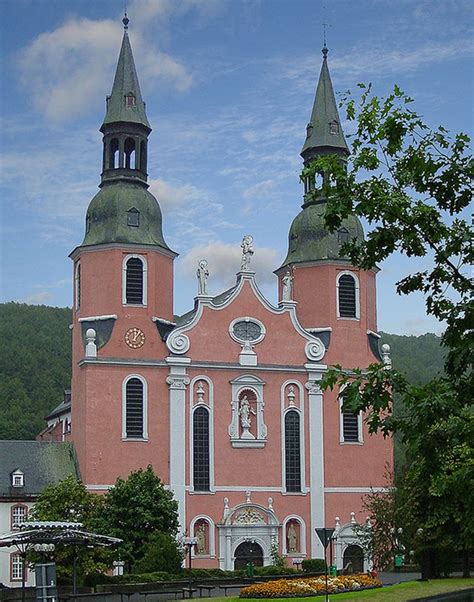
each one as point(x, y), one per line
point(217, 300)
point(42, 462)
point(320, 133)
point(62, 408)
point(125, 84)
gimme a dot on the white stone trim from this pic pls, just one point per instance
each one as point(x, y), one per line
point(124, 408)
point(302, 550)
point(178, 381)
point(98, 318)
point(316, 456)
point(212, 536)
point(356, 489)
point(143, 259)
point(77, 285)
point(247, 488)
point(357, 295)
point(95, 487)
point(300, 409)
point(210, 407)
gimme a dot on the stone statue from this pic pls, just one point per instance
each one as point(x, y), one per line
point(202, 276)
point(201, 539)
point(245, 412)
point(247, 252)
point(287, 286)
point(292, 538)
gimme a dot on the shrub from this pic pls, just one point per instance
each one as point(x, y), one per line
point(274, 570)
point(160, 553)
point(314, 565)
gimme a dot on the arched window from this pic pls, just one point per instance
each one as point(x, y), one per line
point(292, 451)
point(201, 472)
point(19, 513)
point(114, 154)
point(129, 150)
point(143, 158)
point(347, 296)
point(133, 217)
point(134, 408)
point(78, 285)
point(134, 289)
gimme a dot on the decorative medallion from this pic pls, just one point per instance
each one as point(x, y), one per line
point(135, 338)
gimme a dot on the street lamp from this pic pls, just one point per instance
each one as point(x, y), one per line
point(297, 562)
point(189, 542)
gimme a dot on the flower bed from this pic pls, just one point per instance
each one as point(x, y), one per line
point(296, 588)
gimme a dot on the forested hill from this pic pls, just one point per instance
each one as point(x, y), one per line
point(35, 364)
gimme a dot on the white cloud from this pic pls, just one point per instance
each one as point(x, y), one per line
point(258, 190)
point(224, 263)
point(69, 69)
point(41, 298)
point(172, 195)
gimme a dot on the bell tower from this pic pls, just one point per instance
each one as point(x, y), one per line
point(123, 280)
point(333, 296)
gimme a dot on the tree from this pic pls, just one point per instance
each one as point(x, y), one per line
point(413, 185)
point(69, 501)
point(160, 553)
point(136, 509)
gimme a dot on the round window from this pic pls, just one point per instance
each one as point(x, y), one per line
point(247, 330)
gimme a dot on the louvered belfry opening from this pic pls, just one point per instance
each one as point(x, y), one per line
point(201, 474)
point(292, 451)
point(350, 426)
point(134, 409)
point(347, 296)
point(134, 284)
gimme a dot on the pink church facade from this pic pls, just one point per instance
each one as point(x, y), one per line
point(224, 402)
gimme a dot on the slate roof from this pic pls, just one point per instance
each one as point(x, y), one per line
point(217, 300)
point(319, 134)
point(42, 462)
point(126, 82)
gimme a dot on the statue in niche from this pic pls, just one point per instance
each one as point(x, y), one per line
point(247, 252)
point(202, 276)
point(245, 412)
point(201, 547)
point(292, 538)
point(287, 286)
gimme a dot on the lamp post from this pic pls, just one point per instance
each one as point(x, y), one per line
point(189, 542)
point(297, 562)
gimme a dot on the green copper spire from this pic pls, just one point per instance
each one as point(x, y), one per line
point(324, 132)
point(126, 103)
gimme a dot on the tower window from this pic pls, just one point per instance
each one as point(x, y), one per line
point(350, 427)
point(201, 472)
point(347, 296)
point(133, 217)
point(292, 451)
point(134, 409)
point(334, 127)
point(130, 154)
point(343, 236)
point(134, 281)
point(130, 100)
point(114, 154)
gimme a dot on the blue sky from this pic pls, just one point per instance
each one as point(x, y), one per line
point(229, 86)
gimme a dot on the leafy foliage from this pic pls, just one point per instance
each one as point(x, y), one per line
point(314, 565)
point(136, 509)
point(413, 185)
point(35, 360)
point(159, 554)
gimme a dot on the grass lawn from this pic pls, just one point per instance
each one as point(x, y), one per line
point(391, 593)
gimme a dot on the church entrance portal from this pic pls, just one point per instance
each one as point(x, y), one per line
point(353, 554)
point(248, 551)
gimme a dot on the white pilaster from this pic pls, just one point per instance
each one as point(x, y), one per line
point(178, 380)
point(316, 455)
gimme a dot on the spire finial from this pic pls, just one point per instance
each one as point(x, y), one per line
point(125, 21)
point(325, 48)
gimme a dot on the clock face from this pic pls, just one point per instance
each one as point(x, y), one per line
point(135, 338)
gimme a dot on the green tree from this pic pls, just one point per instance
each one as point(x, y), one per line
point(160, 553)
point(69, 501)
point(413, 185)
point(136, 509)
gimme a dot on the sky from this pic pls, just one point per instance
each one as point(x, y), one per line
point(229, 87)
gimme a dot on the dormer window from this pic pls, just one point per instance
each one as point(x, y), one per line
point(309, 130)
point(18, 479)
point(334, 127)
point(343, 236)
point(130, 100)
point(133, 217)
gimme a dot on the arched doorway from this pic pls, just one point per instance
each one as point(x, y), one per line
point(353, 559)
point(248, 551)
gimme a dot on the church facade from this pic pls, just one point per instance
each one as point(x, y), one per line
point(224, 402)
